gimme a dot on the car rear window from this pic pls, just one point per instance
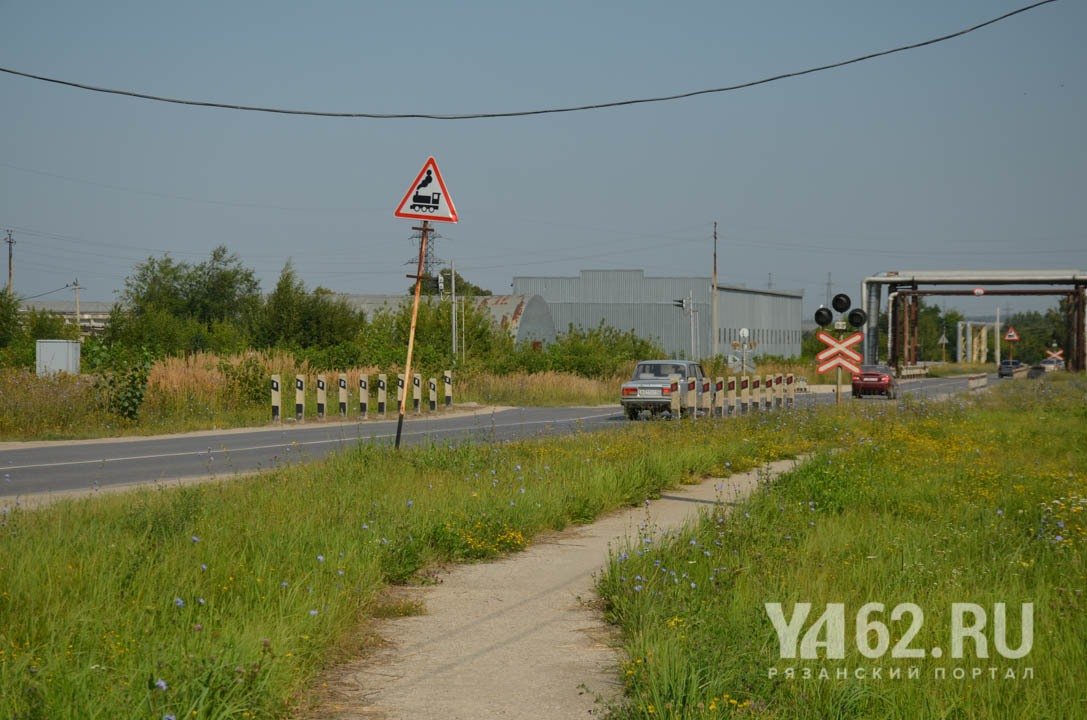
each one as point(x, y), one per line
point(657, 371)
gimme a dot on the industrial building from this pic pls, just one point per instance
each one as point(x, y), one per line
point(526, 318)
point(629, 300)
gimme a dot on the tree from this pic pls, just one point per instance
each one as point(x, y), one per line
point(221, 289)
point(464, 287)
point(294, 317)
point(172, 307)
point(9, 317)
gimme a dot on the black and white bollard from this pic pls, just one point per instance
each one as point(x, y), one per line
point(675, 396)
point(447, 381)
point(342, 383)
point(299, 397)
point(382, 393)
point(322, 397)
point(432, 386)
point(364, 395)
point(416, 392)
point(277, 399)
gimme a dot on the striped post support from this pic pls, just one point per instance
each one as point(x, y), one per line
point(675, 396)
point(401, 389)
point(692, 396)
point(779, 390)
point(341, 382)
point(432, 386)
point(745, 394)
point(299, 397)
point(364, 395)
point(277, 399)
point(731, 389)
point(707, 396)
point(790, 390)
point(719, 397)
point(416, 392)
point(756, 393)
point(322, 397)
point(447, 382)
point(768, 392)
point(382, 393)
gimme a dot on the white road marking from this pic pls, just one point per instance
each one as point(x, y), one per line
point(294, 443)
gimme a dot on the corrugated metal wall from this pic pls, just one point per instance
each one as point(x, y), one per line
point(628, 300)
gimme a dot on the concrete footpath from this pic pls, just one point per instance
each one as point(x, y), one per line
point(521, 637)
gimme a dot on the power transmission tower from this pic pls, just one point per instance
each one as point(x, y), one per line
point(430, 260)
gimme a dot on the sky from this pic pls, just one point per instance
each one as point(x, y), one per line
point(966, 154)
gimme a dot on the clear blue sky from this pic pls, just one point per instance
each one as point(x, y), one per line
point(967, 154)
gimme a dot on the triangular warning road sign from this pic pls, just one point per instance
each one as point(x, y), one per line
point(427, 197)
point(1011, 335)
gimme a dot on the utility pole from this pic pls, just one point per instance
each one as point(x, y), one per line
point(78, 318)
point(827, 303)
point(690, 313)
point(423, 232)
point(713, 295)
point(11, 243)
point(453, 308)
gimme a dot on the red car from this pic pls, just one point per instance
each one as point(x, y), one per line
point(875, 380)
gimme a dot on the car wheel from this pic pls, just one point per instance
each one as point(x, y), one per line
point(633, 413)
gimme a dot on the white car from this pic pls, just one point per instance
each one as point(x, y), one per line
point(649, 388)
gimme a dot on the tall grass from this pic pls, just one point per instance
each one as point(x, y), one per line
point(981, 501)
point(539, 389)
point(235, 595)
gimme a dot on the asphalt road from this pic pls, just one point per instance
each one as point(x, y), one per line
point(82, 466)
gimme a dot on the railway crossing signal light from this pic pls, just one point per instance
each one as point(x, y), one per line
point(823, 317)
point(841, 302)
point(681, 303)
point(857, 317)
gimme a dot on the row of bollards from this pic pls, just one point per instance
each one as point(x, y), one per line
point(363, 395)
point(732, 396)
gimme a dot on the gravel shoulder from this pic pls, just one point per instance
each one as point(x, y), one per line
point(522, 637)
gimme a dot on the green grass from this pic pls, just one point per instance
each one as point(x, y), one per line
point(237, 594)
point(971, 501)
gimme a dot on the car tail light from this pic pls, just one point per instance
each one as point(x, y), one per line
point(856, 378)
point(627, 392)
point(666, 390)
point(885, 378)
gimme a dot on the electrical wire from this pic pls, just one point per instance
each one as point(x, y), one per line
point(31, 297)
point(524, 113)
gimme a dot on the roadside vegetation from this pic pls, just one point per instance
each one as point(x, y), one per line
point(224, 600)
point(977, 500)
point(227, 600)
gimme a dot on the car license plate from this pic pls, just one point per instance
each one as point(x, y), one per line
point(649, 392)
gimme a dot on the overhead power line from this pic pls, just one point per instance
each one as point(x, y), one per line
point(523, 113)
point(50, 292)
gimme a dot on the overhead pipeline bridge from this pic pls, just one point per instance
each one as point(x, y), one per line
point(905, 288)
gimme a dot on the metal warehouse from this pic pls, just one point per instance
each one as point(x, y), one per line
point(525, 318)
point(628, 300)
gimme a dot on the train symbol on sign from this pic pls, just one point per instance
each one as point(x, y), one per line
point(422, 202)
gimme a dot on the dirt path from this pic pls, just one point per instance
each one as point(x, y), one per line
point(516, 638)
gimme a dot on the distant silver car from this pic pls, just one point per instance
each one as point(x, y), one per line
point(649, 388)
